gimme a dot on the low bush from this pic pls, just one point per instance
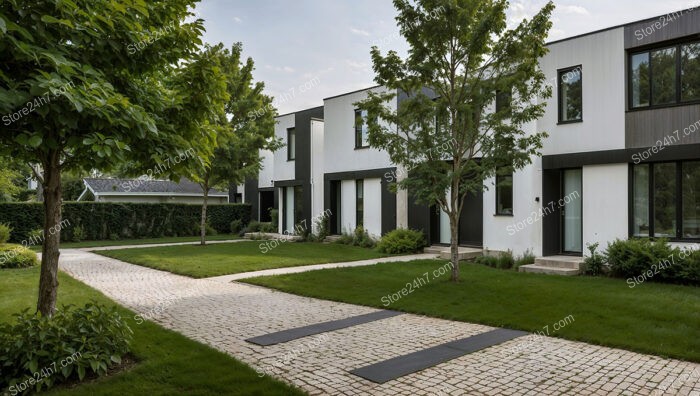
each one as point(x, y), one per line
point(236, 226)
point(505, 260)
point(17, 256)
point(401, 241)
point(655, 261)
point(72, 344)
point(595, 263)
point(489, 261)
point(78, 234)
point(359, 237)
point(323, 227)
point(256, 226)
point(526, 259)
point(5, 233)
point(36, 236)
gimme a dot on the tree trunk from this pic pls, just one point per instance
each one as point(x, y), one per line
point(454, 248)
point(48, 281)
point(203, 226)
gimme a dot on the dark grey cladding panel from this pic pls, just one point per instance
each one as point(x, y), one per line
point(667, 27)
point(645, 128)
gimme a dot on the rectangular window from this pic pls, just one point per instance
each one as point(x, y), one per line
point(291, 144)
point(503, 101)
point(691, 199)
point(690, 72)
point(641, 90)
point(359, 203)
point(299, 206)
point(361, 131)
point(640, 225)
point(665, 77)
point(665, 200)
point(570, 95)
point(504, 194)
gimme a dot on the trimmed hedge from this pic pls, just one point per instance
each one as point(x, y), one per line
point(111, 220)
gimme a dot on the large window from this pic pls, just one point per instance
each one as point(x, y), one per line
point(665, 76)
point(570, 95)
point(503, 102)
point(666, 200)
point(359, 202)
point(291, 144)
point(504, 193)
point(361, 131)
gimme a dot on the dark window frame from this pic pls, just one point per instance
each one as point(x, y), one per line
point(651, 196)
point(291, 151)
point(359, 202)
point(507, 97)
point(499, 179)
point(560, 73)
point(678, 45)
point(358, 131)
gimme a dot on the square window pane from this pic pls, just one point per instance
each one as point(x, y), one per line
point(690, 72)
point(665, 200)
point(663, 76)
point(571, 98)
point(640, 80)
point(691, 199)
point(641, 201)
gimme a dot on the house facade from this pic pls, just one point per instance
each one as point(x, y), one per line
point(622, 158)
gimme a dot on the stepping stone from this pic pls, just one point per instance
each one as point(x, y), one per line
point(413, 362)
point(300, 332)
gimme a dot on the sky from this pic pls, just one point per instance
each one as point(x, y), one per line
point(308, 50)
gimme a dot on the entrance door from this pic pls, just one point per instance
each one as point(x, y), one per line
point(572, 211)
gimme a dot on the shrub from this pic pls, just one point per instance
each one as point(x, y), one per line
point(5, 233)
point(345, 239)
point(78, 234)
point(89, 340)
point(267, 227)
point(640, 257)
point(359, 237)
point(274, 216)
point(17, 256)
point(595, 263)
point(36, 237)
point(489, 261)
point(323, 227)
point(401, 241)
point(526, 259)
point(254, 226)
point(505, 260)
point(236, 226)
point(128, 220)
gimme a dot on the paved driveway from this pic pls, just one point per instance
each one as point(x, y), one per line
point(222, 315)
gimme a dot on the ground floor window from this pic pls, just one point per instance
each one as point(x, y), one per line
point(359, 202)
point(666, 200)
point(504, 193)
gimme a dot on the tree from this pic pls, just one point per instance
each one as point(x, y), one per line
point(451, 141)
point(242, 134)
point(82, 87)
point(8, 184)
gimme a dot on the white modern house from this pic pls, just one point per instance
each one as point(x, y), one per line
point(622, 158)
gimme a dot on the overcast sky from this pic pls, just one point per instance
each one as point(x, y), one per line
point(322, 47)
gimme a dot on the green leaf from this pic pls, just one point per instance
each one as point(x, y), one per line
point(3, 25)
point(81, 372)
point(116, 359)
point(35, 141)
point(49, 19)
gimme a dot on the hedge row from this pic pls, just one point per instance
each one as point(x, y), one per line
point(102, 221)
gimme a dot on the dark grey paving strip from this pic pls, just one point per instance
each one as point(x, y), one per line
point(413, 362)
point(300, 332)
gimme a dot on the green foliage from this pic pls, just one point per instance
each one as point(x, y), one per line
point(461, 56)
point(71, 187)
point(323, 227)
point(594, 264)
point(641, 257)
point(505, 260)
point(89, 340)
point(256, 226)
point(17, 256)
point(36, 236)
point(274, 216)
point(526, 259)
point(8, 184)
point(489, 261)
point(103, 221)
point(5, 233)
point(401, 241)
point(360, 237)
point(236, 226)
point(78, 234)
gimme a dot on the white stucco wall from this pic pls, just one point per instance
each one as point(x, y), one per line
point(283, 169)
point(339, 143)
point(602, 59)
point(605, 204)
point(266, 176)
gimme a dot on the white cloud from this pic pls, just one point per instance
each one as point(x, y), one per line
point(359, 32)
point(572, 9)
point(285, 69)
point(237, 19)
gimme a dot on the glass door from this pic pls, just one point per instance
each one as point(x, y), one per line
point(572, 211)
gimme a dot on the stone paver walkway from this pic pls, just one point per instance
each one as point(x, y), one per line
point(305, 268)
point(222, 315)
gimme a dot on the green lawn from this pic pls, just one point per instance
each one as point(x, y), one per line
point(651, 318)
point(233, 258)
point(144, 241)
point(168, 363)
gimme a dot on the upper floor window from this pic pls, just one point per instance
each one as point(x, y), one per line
point(361, 131)
point(570, 94)
point(503, 101)
point(504, 193)
point(665, 76)
point(291, 144)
